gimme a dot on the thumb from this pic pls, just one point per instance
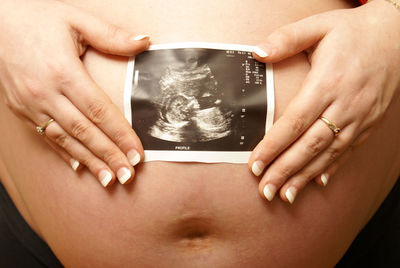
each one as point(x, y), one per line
point(291, 39)
point(106, 37)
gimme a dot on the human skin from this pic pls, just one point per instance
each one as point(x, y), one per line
point(352, 85)
point(47, 83)
point(180, 215)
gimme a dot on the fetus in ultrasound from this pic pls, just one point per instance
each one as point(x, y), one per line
point(189, 106)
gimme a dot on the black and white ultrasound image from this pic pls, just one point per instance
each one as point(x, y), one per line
point(196, 99)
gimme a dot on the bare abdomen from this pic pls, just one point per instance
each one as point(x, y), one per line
point(194, 215)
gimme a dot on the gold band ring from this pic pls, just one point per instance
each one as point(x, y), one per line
point(331, 125)
point(42, 129)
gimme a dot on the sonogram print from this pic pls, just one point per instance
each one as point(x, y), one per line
point(197, 99)
point(189, 105)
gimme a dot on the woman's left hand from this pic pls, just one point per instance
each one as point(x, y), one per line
point(355, 74)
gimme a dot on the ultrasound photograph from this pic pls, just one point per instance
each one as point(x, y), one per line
point(196, 101)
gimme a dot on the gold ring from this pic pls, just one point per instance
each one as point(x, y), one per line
point(42, 129)
point(331, 125)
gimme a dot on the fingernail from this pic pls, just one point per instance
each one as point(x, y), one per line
point(123, 175)
point(325, 178)
point(74, 164)
point(291, 194)
point(133, 157)
point(257, 168)
point(261, 53)
point(140, 37)
point(105, 177)
point(269, 191)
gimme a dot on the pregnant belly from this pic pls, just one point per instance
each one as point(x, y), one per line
point(186, 215)
point(190, 215)
point(179, 214)
point(183, 214)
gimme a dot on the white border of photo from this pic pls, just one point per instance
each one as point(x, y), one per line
point(199, 156)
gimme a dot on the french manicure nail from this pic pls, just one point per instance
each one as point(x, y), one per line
point(133, 157)
point(269, 191)
point(105, 177)
point(257, 168)
point(261, 53)
point(74, 164)
point(123, 175)
point(325, 178)
point(291, 194)
point(140, 37)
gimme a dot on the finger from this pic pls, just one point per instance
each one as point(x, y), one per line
point(106, 37)
point(325, 176)
point(292, 39)
point(317, 166)
point(99, 109)
point(75, 165)
point(302, 111)
point(79, 127)
point(362, 137)
point(310, 144)
point(57, 136)
point(60, 137)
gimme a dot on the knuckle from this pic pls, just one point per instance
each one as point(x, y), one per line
point(302, 178)
point(13, 106)
point(18, 109)
point(62, 140)
point(265, 148)
point(34, 89)
point(327, 84)
point(111, 157)
point(15, 101)
point(79, 41)
point(362, 138)
point(88, 161)
point(57, 72)
point(120, 136)
point(296, 125)
point(315, 145)
point(97, 111)
point(375, 112)
point(287, 37)
point(327, 87)
point(333, 154)
point(282, 34)
point(113, 31)
point(308, 175)
point(272, 146)
point(92, 163)
point(58, 137)
point(6, 102)
point(284, 172)
point(55, 69)
point(80, 130)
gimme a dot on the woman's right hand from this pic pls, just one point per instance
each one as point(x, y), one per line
point(42, 77)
